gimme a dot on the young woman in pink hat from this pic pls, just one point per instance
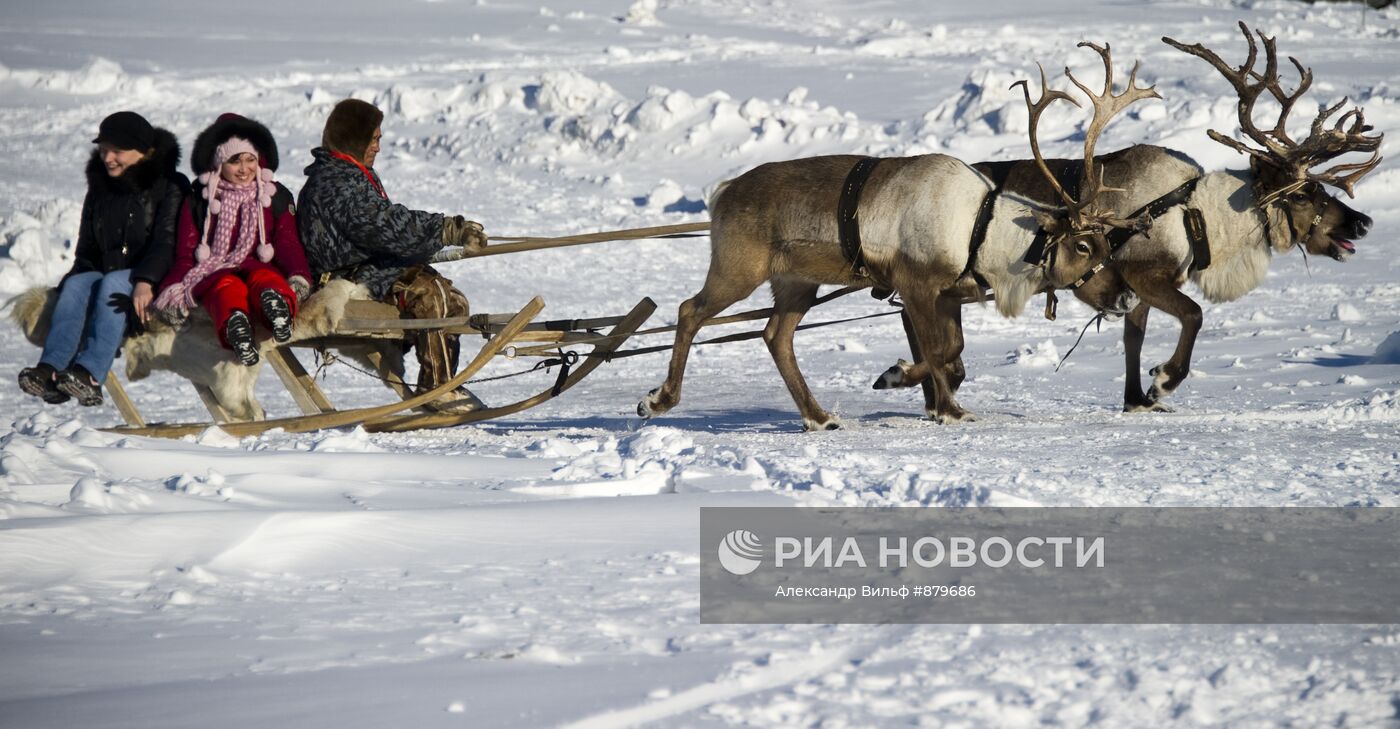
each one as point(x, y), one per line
point(237, 251)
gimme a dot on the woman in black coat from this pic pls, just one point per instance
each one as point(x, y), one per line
point(125, 244)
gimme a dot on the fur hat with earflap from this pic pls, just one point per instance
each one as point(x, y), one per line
point(350, 127)
point(229, 136)
point(237, 206)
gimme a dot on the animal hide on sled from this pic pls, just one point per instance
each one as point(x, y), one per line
point(192, 350)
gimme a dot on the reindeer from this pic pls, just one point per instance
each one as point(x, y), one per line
point(776, 224)
point(1278, 203)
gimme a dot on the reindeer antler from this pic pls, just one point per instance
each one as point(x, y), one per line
point(1048, 96)
point(1106, 106)
point(1280, 150)
point(1327, 144)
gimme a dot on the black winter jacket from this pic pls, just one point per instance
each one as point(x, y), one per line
point(129, 221)
point(349, 231)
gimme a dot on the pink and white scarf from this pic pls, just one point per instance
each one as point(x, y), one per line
point(232, 204)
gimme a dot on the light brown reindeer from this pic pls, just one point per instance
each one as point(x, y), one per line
point(777, 223)
point(1277, 204)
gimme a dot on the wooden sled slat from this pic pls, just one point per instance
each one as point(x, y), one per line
point(125, 406)
point(302, 386)
point(614, 339)
point(491, 323)
point(401, 325)
point(341, 418)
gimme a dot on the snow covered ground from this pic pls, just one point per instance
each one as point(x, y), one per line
point(542, 570)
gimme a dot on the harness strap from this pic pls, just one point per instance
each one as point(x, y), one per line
point(996, 173)
point(1195, 223)
point(847, 209)
point(1118, 237)
point(1153, 210)
point(1035, 254)
point(1293, 226)
point(1068, 177)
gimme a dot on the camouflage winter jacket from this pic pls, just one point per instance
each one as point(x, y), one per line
point(350, 231)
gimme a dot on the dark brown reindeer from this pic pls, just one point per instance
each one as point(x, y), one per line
point(1277, 204)
point(777, 223)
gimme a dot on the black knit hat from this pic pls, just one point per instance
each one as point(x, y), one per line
point(126, 130)
point(350, 127)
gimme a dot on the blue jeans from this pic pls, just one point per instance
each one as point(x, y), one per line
point(87, 329)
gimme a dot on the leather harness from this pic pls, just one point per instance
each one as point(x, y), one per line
point(996, 173)
point(1192, 220)
point(848, 223)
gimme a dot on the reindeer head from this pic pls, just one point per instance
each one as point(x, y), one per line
point(1077, 243)
point(1283, 169)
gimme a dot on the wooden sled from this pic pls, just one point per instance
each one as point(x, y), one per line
point(368, 321)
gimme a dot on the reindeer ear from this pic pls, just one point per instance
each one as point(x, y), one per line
point(1049, 221)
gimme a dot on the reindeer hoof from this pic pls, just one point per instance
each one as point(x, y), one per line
point(1163, 383)
point(650, 406)
point(893, 377)
point(952, 417)
point(830, 423)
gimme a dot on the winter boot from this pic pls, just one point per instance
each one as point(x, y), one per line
point(239, 334)
point(278, 313)
point(81, 385)
point(39, 381)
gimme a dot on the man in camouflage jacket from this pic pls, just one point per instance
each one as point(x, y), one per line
point(351, 230)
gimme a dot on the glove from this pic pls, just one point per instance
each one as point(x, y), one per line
point(458, 231)
point(122, 304)
point(301, 287)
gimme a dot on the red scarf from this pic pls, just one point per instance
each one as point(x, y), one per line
point(377, 187)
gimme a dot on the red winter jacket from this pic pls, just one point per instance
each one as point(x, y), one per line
point(289, 259)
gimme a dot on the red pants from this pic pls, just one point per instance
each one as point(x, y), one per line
point(230, 293)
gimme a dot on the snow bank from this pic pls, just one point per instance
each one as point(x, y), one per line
point(37, 248)
point(1389, 350)
point(643, 13)
point(986, 104)
point(98, 76)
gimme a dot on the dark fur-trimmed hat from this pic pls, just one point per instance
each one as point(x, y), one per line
point(224, 128)
point(350, 127)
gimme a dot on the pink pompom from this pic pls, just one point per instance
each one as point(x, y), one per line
point(265, 174)
point(215, 206)
point(201, 254)
point(204, 178)
point(265, 252)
